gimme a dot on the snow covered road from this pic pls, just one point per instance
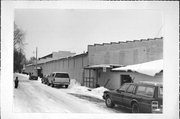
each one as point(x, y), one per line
point(33, 96)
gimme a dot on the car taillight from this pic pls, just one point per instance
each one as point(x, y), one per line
point(154, 105)
point(161, 106)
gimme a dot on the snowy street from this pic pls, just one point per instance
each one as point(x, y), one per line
point(33, 96)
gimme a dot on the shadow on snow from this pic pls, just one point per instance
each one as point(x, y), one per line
point(101, 103)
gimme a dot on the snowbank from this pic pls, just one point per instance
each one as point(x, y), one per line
point(24, 76)
point(39, 79)
point(21, 75)
point(75, 87)
point(98, 92)
point(74, 83)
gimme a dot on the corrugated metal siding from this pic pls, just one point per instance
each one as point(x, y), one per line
point(72, 65)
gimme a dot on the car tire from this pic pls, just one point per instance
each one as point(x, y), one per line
point(109, 102)
point(66, 86)
point(135, 108)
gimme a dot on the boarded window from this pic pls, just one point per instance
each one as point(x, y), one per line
point(125, 79)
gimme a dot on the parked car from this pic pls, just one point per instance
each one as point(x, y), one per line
point(139, 97)
point(32, 76)
point(44, 79)
point(59, 78)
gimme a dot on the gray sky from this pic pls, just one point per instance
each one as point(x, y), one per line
point(73, 29)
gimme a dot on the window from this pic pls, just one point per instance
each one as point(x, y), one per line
point(145, 91)
point(124, 87)
point(125, 79)
point(149, 91)
point(140, 90)
point(130, 89)
point(62, 75)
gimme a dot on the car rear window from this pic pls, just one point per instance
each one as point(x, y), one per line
point(62, 75)
point(145, 91)
point(149, 91)
point(140, 90)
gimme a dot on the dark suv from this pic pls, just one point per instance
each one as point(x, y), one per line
point(139, 97)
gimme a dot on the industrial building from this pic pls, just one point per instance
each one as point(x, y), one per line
point(96, 66)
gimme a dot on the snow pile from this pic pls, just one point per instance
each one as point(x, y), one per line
point(76, 88)
point(83, 90)
point(79, 89)
point(98, 92)
point(20, 75)
point(74, 83)
point(39, 79)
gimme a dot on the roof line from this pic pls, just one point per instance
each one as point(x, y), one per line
point(119, 42)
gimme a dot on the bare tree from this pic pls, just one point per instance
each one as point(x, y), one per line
point(19, 36)
point(31, 60)
point(19, 57)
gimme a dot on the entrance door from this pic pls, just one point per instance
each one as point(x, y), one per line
point(40, 73)
point(89, 78)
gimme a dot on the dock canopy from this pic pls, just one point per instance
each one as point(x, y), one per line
point(149, 68)
point(102, 66)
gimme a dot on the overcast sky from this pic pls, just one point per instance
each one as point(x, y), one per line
point(73, 29)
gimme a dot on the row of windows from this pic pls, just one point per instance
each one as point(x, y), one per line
point(141, 90)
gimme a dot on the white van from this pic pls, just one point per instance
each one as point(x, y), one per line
point(59, 78)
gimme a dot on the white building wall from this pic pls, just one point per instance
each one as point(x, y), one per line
point(115, 78)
